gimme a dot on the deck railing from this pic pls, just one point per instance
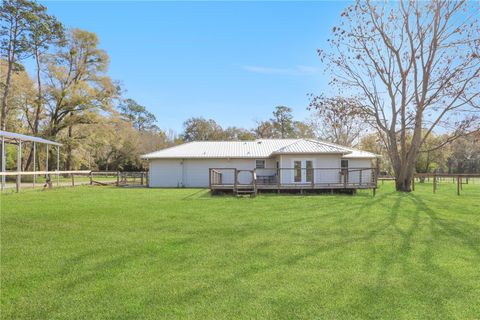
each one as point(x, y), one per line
point(348, 178)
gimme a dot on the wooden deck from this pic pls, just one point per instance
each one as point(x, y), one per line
point(242, 181)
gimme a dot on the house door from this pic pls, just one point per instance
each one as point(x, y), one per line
point(302, 171)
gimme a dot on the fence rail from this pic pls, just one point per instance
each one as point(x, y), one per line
point(49, 179)
point(459, 178)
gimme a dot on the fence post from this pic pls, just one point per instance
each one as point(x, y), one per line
point(19, 165)
point(73, 180)
point(91, 177)
point(118, 178)
point(141, 180)
point(458, 185)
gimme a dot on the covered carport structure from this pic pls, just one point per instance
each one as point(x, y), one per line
point(20, 140)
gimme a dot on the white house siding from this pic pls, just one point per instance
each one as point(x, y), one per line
point(193, 173)
point(165, 173)
point(329, 162)
point(354, 176)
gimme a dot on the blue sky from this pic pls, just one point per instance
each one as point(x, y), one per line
point(230, 61)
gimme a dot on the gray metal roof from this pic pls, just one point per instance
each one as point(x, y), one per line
point(12, 136)
point(310, 146)
point(261, 148)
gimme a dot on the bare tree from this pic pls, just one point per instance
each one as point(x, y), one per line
point(417, 64)
point(338, 119)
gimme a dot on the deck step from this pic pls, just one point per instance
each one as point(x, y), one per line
point(245, 192)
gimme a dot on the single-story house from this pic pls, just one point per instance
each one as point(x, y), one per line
point(262, 164)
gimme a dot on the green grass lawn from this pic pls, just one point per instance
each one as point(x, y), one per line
point(118, 253)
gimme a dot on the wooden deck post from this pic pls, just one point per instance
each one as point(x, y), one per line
point(235, 179)
point(313, 177)
point(254, 180)
point(209, 178)
point(278, 178)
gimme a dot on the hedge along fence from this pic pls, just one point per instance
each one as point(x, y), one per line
point(459, 178)
point(48, 179)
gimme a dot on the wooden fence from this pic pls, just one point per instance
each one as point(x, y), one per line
point(459, 178)
point(48, 179)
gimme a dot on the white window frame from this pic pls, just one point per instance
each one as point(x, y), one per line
point(264, 163)
point(303, 170)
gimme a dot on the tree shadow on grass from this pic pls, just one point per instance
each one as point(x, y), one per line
point(202, 193)
point(465, 232)
point(421, 275)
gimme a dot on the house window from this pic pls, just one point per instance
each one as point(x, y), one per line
point(344, 164)
point(260, 164)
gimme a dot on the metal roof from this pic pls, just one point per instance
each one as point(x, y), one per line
point(310, 146)
point(22, 137)
point(261, 148)
point(359, 154)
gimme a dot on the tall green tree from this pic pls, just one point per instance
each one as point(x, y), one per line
point(265, 130)
point(238, 134)
point(19, 22)
point(283, 121)
point(46, 31)
point(78, 87)
point(200, 129)
point(138, 115)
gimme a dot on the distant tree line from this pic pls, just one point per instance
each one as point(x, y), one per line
point(413, 92)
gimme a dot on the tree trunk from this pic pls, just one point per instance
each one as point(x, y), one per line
point(68, 161)
point(404, 185)
point(3, 119)
point(36, 121)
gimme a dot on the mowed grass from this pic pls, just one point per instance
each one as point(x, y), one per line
point(116, 253)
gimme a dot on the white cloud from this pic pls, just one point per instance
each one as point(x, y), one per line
point(295, 71)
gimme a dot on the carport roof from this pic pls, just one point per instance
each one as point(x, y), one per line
point(17, 137)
